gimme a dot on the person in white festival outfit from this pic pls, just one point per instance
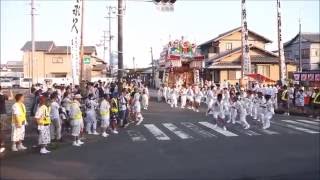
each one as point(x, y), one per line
point(268, 112)
point(241, 111)
point(190, 97)
point(19, 120)
point(218, 112)
point(174, 97)
point(183, 95)
point(91, 117)
point(197, 98)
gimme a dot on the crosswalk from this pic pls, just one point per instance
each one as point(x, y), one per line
point(204, 129)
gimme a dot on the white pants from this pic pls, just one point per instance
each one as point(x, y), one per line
point(174, 101)
point(183, 101)
point(91, 122)
point(266, 119)
point(243, 120)
point(55, 129)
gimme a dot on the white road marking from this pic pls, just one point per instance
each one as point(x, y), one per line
point(136, 135)
point(269, 132)
point(246, 131)
point(310, 122)
point(217, 129)
point(297, 128)
point(156, 132)
point(302, 124)
point(177, 131)
point(198, 130)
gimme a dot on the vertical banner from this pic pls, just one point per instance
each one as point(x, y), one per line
point(246, 62)
point(280, 47)
point(196, 77)
point(75, 42)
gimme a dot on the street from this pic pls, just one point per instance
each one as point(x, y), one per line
point(180, 144)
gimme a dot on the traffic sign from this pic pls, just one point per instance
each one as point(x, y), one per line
point(86, 60)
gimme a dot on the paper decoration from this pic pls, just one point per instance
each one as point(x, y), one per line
point(304, 77)
point(296, 77)
point(311, 77)
point(317, 77)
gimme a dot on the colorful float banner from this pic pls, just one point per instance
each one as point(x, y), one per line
point(311, 77)
point(75, 42)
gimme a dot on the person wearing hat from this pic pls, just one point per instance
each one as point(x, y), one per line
point(42, 117)
point(76, 120)
point(19, 120)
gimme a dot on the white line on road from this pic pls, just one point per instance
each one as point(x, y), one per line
point(198, 130)
point(310, 122)
point(136, 135)
point(177, 131)
point(302, 124)
point(297, 128)
point(269, 132)
point(156, 132)
point(217, 129)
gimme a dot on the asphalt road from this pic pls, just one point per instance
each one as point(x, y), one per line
point(179, 144)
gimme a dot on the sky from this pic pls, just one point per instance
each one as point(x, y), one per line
point(145, 26)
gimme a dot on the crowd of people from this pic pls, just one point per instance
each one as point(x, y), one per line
point(96, 109)
point(233, 104)
point(100, 108)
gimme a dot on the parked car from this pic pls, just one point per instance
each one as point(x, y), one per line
point(5, 83)
point(25, 83)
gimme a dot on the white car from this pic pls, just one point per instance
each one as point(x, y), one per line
point(26, 83)
point(5, 83)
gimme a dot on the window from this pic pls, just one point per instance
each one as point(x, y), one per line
point(305, 53)
point(59, 75)
point(228, 46)
point(263, 70)
point(216, 49)
point(57, 60)
point(232, 75)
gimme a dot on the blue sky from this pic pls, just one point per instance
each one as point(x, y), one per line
point(145, 26)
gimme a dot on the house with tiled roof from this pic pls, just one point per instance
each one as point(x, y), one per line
point(223, 57)
point(52, 61)
point(310, 50)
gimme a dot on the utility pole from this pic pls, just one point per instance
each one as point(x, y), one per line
point(134, 64)
point(120, 43)
point(104, 45)
point(109, 17)
point(32, 44)
point(300, 55)
point(152, 66)
point(81, 43)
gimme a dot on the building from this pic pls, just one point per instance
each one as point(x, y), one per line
point(310, 50)
point(223, 57)
point(12, 69)
point(53, 61)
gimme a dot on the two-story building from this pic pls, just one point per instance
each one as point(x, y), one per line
point(223, 57)
point(310, 50)
point(53, 61)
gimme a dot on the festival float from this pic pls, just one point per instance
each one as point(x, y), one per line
point(180, 63)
